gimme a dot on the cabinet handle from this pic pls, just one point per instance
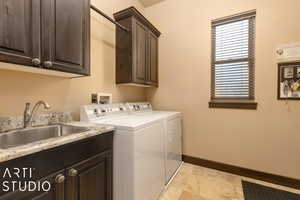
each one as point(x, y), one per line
point(72, 172)
point(36, 61)
point(60, 187)
point(48, 64)
point(60, 178)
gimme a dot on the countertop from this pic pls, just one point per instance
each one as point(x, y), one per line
point(20, 151)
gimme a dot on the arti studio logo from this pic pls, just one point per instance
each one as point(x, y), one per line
point(13, 179)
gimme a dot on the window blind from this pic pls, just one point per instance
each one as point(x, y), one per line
point(233, 57)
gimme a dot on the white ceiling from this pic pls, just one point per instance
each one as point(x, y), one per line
point(148, 3)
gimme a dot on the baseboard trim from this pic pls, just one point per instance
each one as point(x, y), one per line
point(263, 176)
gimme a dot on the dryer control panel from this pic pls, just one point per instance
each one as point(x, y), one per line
point(139, 107)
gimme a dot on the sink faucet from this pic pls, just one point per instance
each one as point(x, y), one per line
point(28, 116)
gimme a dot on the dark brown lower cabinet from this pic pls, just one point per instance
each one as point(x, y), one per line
point(55, 193)
point(82, 171)
point(90, 179)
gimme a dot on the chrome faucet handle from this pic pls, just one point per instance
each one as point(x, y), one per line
point(47, 106)
point(27, 115)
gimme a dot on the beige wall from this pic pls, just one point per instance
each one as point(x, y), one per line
point(16, 88)
point(267, 139)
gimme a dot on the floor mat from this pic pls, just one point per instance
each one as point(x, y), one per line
point(254, 191)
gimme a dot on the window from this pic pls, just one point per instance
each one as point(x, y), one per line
point(233, 61)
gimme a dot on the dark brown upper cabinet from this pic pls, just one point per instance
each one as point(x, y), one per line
point(66, 35)
point(140, 53)
point(19, 31)
point(136, 50)
point(52, 35)
point(152, 73)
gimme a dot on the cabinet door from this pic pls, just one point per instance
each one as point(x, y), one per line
point(57, 191)
point(152, 72)
point(66, 35)
point(140, 53)
point(19, 31)
point(91, 179)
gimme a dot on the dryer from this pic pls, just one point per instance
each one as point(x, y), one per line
point(172, 134)
point(138, 156)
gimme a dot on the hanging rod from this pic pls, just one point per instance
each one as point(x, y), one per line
point(110, 19)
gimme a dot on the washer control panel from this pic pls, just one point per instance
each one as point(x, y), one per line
point(95, 112)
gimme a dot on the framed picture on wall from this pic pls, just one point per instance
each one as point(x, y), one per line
point(289, 81)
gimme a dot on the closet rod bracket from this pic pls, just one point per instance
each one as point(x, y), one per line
point(109, 18)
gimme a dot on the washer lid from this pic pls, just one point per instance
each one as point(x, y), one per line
point(130, 122)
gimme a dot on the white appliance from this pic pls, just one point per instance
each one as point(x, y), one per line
point(172, 134)
point(288, 53)
point(138, 169)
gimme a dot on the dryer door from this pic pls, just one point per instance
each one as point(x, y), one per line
point(173, 142)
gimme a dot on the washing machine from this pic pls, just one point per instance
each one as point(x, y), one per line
point(172, 134)
point(138, 152)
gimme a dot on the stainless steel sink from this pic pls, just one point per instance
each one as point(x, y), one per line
point(29, 135)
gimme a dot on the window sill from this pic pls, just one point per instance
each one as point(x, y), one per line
point(233, 104)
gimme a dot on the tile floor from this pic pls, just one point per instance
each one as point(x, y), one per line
point(199, 183)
